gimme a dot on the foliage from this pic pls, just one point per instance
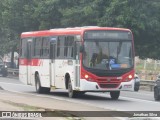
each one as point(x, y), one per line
point(141, 16)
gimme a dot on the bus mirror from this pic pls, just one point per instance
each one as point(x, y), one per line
point(81, 48)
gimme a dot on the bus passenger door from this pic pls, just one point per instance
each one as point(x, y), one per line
point(29, 62)
point(77, 64)
point(52, 61)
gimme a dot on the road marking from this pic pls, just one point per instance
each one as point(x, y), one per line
point(72, 100)
point(20, 84)
point(123, 97)
point(82, 102)
point(133, 99)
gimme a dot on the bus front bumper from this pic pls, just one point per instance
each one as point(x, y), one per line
point(94, 86)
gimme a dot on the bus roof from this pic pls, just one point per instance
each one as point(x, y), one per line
point(66, 31)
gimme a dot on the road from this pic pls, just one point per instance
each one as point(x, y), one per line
point(128, 101)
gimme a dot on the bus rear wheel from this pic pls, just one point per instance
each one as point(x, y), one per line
point(71, 92)
point(40, 89)
point(114, 95)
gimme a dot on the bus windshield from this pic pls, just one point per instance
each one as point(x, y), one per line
point(108, 55)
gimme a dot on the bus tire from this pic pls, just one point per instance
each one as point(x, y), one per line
point(136, 89)
point(80, 93)
point(71, 92)
point(114, 95)
point(156, 94)
point(46, 90)
point(5, 74)
point(40, 89)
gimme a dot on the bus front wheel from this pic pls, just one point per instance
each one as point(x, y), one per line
point(115, 94)
point(156, 94)
point(71, 92)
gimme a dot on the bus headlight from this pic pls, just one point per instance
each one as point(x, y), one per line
point(130, 76)
point(86, 76)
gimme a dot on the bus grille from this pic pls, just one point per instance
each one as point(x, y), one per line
point(109, 85)
point(108, 80)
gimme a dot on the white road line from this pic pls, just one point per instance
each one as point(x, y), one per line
point(133, 99)
point(20, 84)
point(72, 100)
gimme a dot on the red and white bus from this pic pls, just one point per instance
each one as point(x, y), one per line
point(80, 59)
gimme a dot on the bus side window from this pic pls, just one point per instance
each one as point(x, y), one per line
point(37, 47)
point(23, 48)
point(65, 45)
point(45, 47)
point(29, 50)
point(68, 47)
point(60, 46)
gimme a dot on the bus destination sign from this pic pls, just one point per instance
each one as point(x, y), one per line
point(124, 35)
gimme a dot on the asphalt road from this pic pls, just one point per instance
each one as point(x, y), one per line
point(128, 101)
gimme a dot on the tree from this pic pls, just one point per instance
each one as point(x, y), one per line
point(141, 16)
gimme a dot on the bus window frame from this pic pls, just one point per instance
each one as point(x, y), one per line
point(52, 47)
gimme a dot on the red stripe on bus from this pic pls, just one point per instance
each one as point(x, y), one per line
point(32, 62)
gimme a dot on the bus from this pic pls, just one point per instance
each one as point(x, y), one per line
point(78, 59)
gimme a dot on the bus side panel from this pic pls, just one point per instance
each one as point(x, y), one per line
point(42, 68)
point(60, 70)
point(44, 73)
point(23, 71)
point(63, 67)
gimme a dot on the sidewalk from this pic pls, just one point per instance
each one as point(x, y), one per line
point(10, 101)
